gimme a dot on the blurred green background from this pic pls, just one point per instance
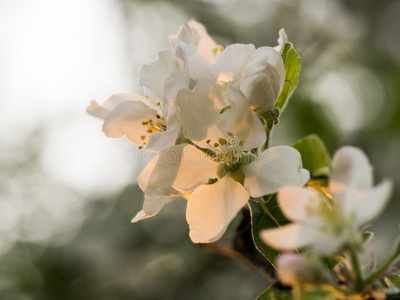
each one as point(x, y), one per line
point(67, 193)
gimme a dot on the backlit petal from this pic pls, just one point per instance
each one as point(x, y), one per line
point(176, 171)
point(200, 111)
point(276, 167)
point(231, 62)
point(211, 208)
point(153, 76)
point(127, 119)
point(296, 202)
point(289, 237)
point(351, 170)
point(151, 207)
point(241, 120)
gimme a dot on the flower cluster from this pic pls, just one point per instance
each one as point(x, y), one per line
point(201, 111)
point(208, 113)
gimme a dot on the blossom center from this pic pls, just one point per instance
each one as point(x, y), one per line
point(152, 125)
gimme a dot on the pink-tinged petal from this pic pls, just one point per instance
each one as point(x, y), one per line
point(296, 202)
point(290, 237)
point(151, 207)
point(176, 171)
point(241, 120)
point(351, 170)
point(275, 168)
point(212, 207)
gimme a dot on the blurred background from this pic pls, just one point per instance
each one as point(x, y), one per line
point(67, 193)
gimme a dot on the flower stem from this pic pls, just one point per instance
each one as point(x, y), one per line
point(355, 265)
point(378, 272)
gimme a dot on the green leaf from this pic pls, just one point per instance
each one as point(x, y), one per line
point(292, 68)
point(260, 220)
point(366, 237)
point(309, 292)
point(393, 286)
point(329, 262)
point(273, 293)
point(315, 156)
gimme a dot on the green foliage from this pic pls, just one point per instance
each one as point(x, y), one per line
point(315, 156)
point(366, 237)
point(273, 293)
point(309, 292)
point(265, 216)
point(393, 286)
point(329, 262)
point(292, 68)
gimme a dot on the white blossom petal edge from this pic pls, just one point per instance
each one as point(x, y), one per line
point(327, 222)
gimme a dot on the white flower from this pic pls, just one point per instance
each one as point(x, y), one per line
point(200, 47)
point(260, 73)
point(150, 121)
point(326, 221)
point(218, 184)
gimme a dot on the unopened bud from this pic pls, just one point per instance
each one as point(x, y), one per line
point(295, 269)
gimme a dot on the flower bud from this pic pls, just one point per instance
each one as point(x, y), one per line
point(263, 79)
point(295, 269)
point(262, 89)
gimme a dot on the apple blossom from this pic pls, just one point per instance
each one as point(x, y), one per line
point(327, 221)
point(151, 120)
point(220, 172)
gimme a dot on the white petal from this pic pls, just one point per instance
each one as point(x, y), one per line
point(200, 111)
point(295, 202)
point(274, 168)
point(176, 171)
point(212, 207)
point(198, 46)
point(282, 40)
point(373, 202)
point(231, 62)
point(127, 120)
point(259, 60)
point(178, 79)
point(289, 237)
point(151, 207)
point(101, 111)
point(351, 170)
point(262, 89)
point(194, 33)
point(163, 140)
point(241, 120)
point(154, 75)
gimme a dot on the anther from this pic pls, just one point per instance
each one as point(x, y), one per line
point(222, 141)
